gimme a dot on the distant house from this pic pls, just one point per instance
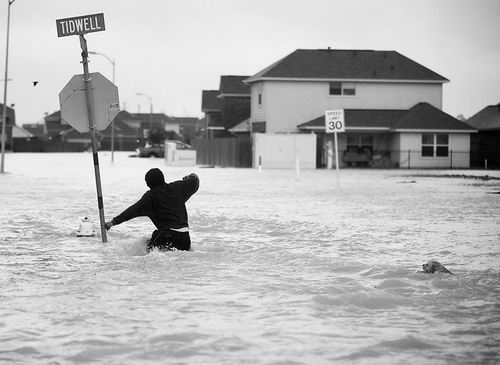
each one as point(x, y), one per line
point(10, 121)
point(485, 145)
point(227, 107)
point(37, 130)
point(392, 104)
point(151, 121)
point(55, 126)
point(187, 127)
point(127, 132)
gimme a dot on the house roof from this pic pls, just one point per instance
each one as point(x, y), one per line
point(426, 116)
point(209, 101)
point(121, 126)
point(74, 134)
point(186, 121)
point(56, 127)
point(36, 130)
point(243, 126)
point(340, 64)
point(56, 116)
point(156, 118)
point(486, 119)
point(422, 116)
point(20, 132)
point(233, 86)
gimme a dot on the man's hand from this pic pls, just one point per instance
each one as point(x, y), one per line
point(108, 225)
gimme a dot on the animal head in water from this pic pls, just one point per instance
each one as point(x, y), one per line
point(433, 266)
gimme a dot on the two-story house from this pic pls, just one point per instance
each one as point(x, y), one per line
point(392, 107)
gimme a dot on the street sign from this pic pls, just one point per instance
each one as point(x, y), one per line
point(80, 25)
point(334, 121)
point(73, 102)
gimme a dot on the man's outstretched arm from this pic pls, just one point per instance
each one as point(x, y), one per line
point(138, 209)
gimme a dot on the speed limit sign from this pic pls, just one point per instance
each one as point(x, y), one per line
point(334, 121)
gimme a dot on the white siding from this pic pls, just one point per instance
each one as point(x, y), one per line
point(281, 150)
point(286, 104)
point(257, 111)
point(459, 145)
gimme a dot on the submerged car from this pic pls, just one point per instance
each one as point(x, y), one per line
point(158, 150)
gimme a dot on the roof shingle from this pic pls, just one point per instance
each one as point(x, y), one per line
point(348, 64)
point(422, 116)
point(209, 100)
point(234, 85)
point(486, 119)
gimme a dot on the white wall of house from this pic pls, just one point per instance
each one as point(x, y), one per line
point(285, 104)
point(459, 156)
point(282, 150)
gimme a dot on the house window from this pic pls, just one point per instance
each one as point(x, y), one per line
point(348, 88)
point(259, 127)
point(260, 99)
point(434, 145)
point(342, 88)
point(335, 88)
point(441, 145)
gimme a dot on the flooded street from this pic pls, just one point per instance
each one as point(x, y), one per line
point(282, 271)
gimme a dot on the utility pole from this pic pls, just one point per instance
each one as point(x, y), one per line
point(4, 114)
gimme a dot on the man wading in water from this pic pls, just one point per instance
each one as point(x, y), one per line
point(165, 205)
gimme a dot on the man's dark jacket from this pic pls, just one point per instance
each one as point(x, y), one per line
point(164, 203)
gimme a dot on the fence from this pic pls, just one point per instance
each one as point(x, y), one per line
point(408, 159)
point(36, 145)
point(224, 152)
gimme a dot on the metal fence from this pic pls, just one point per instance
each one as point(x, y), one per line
point(408, 159)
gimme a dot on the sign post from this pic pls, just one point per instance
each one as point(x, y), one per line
point(334, 123)
point(72, 101)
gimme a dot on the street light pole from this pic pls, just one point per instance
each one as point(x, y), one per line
point(150, 111)
point(4, 115)
point(113, 121)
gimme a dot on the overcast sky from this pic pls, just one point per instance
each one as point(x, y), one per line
point(171, 50)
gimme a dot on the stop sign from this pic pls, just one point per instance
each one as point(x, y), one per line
point(74, 104)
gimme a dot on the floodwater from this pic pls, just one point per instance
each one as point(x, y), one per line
point(283, 271)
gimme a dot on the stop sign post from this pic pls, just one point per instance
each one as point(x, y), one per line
point(334, 123)
point(88, 101)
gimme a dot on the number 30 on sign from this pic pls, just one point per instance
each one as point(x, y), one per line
point(334, 121)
